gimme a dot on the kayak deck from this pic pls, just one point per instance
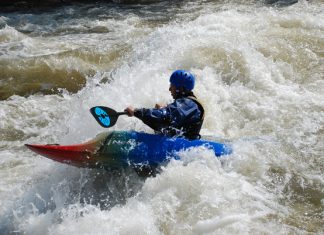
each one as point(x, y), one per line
point(80, 155)
point(125, 148)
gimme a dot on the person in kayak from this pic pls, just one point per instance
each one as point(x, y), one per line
point(181, 118)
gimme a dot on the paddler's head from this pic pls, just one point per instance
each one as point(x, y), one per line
point(181, 83)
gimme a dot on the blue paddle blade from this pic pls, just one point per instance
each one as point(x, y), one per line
point(105, 116)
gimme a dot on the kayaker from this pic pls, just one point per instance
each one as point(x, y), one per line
point(181, 118)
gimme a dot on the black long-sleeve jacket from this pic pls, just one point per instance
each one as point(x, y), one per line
point(183, 117)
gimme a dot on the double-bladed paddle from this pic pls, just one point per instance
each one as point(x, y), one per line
point(105, 116)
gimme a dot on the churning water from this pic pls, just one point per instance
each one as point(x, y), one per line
point(259, 72)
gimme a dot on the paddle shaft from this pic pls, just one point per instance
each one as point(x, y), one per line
point(121, 113)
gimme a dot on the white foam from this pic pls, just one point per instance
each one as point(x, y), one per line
point(249, 89)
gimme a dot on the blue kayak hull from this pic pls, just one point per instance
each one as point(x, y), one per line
point(138, 148)
point(118, 149)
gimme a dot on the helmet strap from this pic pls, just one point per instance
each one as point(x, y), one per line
point(181, 92)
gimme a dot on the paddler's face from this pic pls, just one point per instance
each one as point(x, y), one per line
point(173, 91)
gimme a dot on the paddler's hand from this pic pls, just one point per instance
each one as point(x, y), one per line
point(159, 106)
point(130, 111)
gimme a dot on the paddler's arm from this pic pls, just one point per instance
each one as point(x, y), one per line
point(154, 118)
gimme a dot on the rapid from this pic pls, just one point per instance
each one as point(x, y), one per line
point(259, 70)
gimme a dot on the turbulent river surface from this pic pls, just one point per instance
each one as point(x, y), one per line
point(259, 70)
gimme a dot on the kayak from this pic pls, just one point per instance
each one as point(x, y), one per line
point(118, 149)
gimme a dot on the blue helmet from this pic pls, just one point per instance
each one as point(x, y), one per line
point(182, 78)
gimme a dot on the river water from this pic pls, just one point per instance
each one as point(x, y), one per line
point(259, 72)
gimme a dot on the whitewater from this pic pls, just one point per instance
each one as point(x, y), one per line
point(259, 73)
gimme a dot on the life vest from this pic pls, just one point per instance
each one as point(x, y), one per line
point(192, 130)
